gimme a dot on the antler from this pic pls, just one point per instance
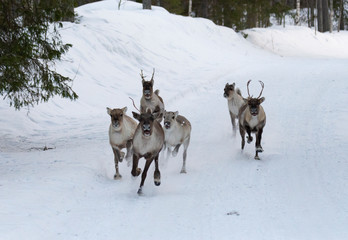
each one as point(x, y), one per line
point(134, 104)
point(141, 75)
point(153, 74)
point(262, 85)
point(248, 87)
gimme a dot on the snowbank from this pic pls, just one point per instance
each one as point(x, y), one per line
point(299, 41)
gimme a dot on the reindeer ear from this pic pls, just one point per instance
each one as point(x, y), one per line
point(152, 81)
point(108, 110)
point(226, 85)
point(136, 116)
point(124, 109)
point(234, 84)
point(261, 100)
point(155, 115)
point(176, 114)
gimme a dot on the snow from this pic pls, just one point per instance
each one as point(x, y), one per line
point(300, 42)
point(298, 190)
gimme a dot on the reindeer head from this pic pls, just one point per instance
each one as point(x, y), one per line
point(146, 121)
point(229, 90)
point(169, 118)
point(117, 115)
point(147, 85)
point(254, 103)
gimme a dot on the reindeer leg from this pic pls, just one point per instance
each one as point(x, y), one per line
point(249, 137)
point(258, 144)
point(186, 144)
point(157, 174)
point(176, 150)
point(144, 174)
point(233, 121)
point(135, 170)
point(242, 134)
point(163, 149)
point(129, 151)
point(257, 156)
point(117, 156)
point(169, 152)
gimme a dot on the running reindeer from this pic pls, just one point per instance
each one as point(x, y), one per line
point(235, 101)
point(177, 131)
point(121, 132)
point(151, 100)
point(147, 142)
point(252, 119)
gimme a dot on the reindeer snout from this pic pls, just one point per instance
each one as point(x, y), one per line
point(253, 111)
point(116, 124)
point(146, 127)
point(147, 92)
point(167, 125)
point(147, 130)
point(225, 95)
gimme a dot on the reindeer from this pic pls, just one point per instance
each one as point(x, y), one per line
point(177, 131)
point(235, 101)
point(151, 100)
point(147, 142)
point(121, 132)
point(252, 119)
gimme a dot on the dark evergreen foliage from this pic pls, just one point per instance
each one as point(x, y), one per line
point(29, 46)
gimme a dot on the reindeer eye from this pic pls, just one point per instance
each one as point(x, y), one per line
point(121, 115)
point(173, 117)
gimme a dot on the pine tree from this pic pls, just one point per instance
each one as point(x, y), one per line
point(29, 46)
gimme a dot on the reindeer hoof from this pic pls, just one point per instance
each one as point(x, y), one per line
point(140, 192)
point(257, 158)
point(259, 149)
point(157, 178)
point(117, 176)
point(183, 171)
point(249, 139)
point(137, 172)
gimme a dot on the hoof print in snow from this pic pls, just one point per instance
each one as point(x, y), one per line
point(233, 213)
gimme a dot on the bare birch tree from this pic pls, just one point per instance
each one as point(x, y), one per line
point(190, 8)
point(331, 15)
point(298, 9)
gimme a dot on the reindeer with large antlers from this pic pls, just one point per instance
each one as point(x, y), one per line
point(151, 100)
point(252, 119)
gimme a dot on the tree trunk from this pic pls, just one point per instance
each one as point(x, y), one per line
point(326, 24)
point(147, 4)
point(331, 15)
point(320, 15)
point(298, 8)
point(312, 4)
point(341, 19)
point(190, 8)
point(204, 9)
